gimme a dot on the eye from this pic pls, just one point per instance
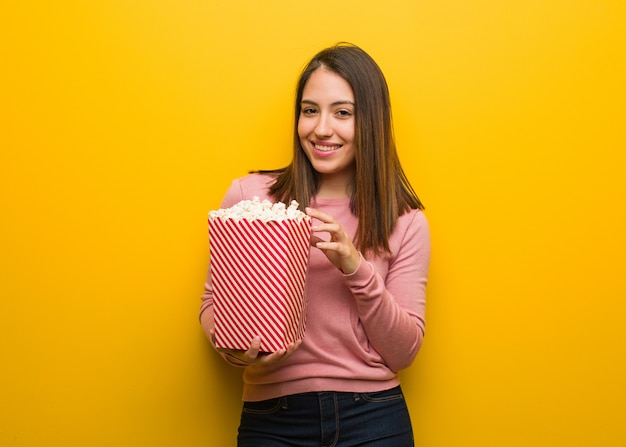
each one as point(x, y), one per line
point(344, 113)
point(307, 111)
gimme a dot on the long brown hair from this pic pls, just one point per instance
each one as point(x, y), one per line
point(380, 192)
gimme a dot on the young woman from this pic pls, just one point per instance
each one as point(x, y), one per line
point(367, 272)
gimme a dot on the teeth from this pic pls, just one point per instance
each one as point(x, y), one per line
point(320, 147)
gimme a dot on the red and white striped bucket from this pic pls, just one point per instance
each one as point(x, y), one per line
point(258, 272)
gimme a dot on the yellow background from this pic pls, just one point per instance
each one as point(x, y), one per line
point(123, 122)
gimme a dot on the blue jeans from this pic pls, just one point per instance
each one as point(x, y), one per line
point(327, 419)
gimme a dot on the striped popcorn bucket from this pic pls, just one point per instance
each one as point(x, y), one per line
point(258, 272)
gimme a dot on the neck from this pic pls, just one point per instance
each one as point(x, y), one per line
point(334, 187)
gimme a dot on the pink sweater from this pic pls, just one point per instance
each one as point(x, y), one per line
point(360, 328)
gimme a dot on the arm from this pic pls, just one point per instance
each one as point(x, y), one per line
point(392, 309)
point(207, 322)
point(233, 195)
point(236, 358)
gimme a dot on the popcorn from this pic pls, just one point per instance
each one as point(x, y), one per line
point(259, 256)
point(264, 211)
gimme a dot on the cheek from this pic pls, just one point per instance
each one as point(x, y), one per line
point(347, 132)
point(303, 129)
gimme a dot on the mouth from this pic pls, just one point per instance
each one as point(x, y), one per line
point(321, 147)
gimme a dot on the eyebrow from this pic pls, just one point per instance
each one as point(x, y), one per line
point(336, 103)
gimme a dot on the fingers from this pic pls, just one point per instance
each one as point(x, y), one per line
point(330, 226)
point(316, 214)
point(315, 241)
point(339, 249)
point(248, 357)
point(253, 355)
point(281, 354)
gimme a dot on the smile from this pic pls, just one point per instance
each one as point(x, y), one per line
point(326, 148)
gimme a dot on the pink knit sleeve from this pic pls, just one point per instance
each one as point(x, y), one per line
point(233, 195)
point(392, 310)
point(240, 189)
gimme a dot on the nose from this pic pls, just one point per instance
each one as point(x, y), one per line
point(323, 127)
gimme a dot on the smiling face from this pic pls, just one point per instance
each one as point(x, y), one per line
point(326, 128)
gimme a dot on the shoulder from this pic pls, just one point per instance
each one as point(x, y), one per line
point(255, 184)
point(414, 219)
point(411, 228)
point(248, 187)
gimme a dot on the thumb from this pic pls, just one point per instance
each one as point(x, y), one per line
point(255, 345)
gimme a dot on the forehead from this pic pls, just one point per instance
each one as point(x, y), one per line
point(325, 84)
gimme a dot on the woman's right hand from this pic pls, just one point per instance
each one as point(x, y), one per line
point(253, 356)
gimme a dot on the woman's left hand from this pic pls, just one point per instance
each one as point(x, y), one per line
point(339, 249)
